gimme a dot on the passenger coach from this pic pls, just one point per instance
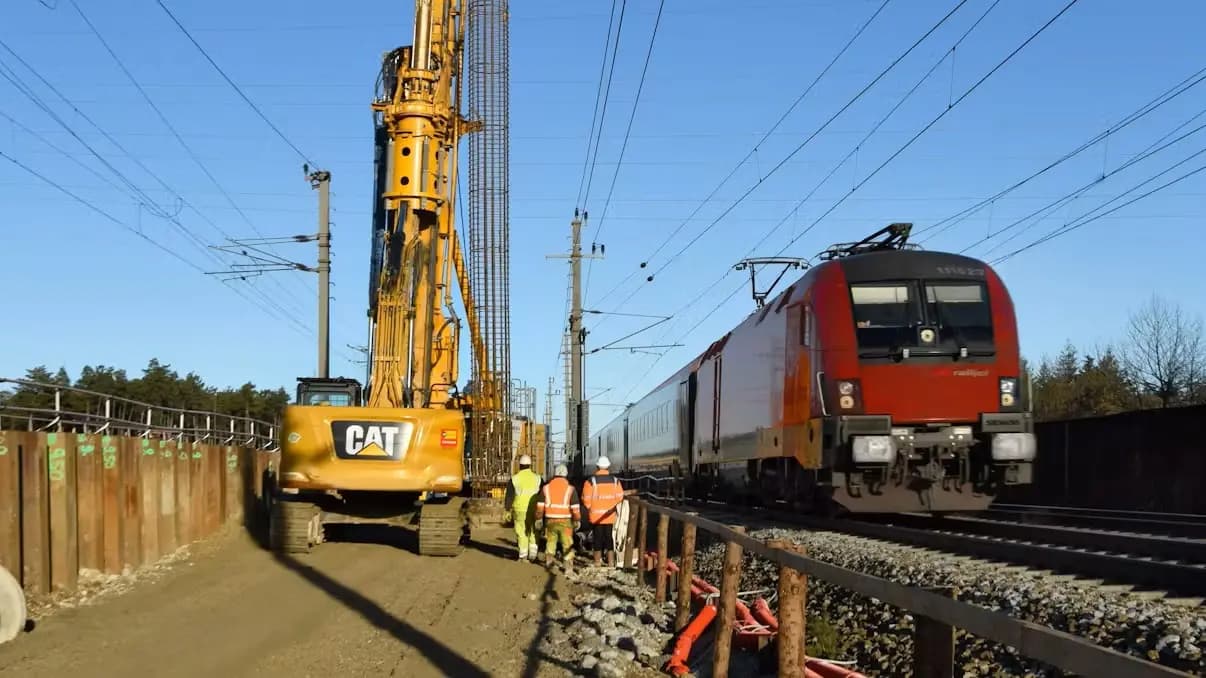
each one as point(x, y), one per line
point(885, 379)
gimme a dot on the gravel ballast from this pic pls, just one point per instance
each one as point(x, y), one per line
point(614, 630)
point(878, 637)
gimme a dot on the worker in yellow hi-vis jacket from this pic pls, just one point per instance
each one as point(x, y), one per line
point(520, 507)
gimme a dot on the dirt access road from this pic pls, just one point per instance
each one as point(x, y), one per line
point(365, 605)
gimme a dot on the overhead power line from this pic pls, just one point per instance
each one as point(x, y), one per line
point(908, 143)
point(279, 312)
point(674, 257)
point(627, 132)
point(1159, 146)
point(234, 86)
point(591, 139)
point(741, 163)
point(1089, 218)
point(1151, 106)
point(935, 120)
point(175, 133)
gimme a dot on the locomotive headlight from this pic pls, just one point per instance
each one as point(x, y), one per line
point(873, 449)
point(1009, 387)
point(845, 388)
point(1013, 447)
point(846, 402)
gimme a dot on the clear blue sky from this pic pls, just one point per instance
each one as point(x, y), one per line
point(80, 289)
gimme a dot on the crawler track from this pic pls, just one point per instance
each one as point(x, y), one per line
point(441, 527)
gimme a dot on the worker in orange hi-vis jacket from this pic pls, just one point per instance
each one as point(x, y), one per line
point(557, 505)
point(601, 495)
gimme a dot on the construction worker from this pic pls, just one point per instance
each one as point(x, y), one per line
point(602, 495)
point(558, 506)
point(519, 507)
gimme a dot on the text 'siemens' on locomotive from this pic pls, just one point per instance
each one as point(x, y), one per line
point(885, 379)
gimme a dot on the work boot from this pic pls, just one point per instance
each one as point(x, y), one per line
point(598, 558)
point(569, 564)
point(548, 559)
point(611, 558)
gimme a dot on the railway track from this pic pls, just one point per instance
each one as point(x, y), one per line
point(1163, 566)
point(1190, 525)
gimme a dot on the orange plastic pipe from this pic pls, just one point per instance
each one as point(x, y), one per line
point(682, 646)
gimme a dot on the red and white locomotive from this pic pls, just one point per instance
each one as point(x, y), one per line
point(885, 379)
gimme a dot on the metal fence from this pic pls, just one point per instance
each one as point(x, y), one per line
point(76, 410)
point(91, 481)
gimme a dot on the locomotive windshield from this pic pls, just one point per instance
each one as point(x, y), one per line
point(885, 315)
point(890, 316)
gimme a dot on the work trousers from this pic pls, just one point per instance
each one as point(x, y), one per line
point(525, 532)
point(559, 531)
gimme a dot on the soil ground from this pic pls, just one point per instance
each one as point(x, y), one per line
point(363, 604)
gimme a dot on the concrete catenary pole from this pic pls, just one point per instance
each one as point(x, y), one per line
point(322, 180)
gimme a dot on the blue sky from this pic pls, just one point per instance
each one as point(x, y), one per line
point(84, 289)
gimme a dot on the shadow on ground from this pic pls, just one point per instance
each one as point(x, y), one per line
point(444, 658)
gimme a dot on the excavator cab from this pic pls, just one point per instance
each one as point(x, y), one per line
point(332, 392)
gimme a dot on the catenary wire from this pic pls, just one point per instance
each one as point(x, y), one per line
point(935, 120)
point(1159, 146)
point(594, 116)
point(1151, 106)
point(916, 136)
point(234, 86)
point(611, 71)
point(187, 148)
point(624, 146)
point(741, 163)
point(1082, 221)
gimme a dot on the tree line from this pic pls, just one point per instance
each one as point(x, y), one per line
point(158, 385)
point(1160, 361)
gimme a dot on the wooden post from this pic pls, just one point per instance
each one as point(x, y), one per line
point(793, 592)
point(630, 553)
point(730, 581)
point(663, 549)
point(934, 645)
point(642, 530)
point(682, 605)
point(184, 512)
point(196, 498)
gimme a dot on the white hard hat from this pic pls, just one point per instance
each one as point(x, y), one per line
point(525, 460)
point(603, 462)
point(561, 471)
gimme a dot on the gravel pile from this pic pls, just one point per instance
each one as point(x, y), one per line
point(614, 630)
point(878, 637)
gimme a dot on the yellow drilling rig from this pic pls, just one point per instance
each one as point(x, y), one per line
point(397, 452)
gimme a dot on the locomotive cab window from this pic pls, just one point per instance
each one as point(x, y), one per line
point(961, 312)
point(884, 315)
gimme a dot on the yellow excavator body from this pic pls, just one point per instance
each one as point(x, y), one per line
point(373, 449)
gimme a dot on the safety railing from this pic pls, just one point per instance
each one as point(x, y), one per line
point(937, 614)
point(75, 410)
